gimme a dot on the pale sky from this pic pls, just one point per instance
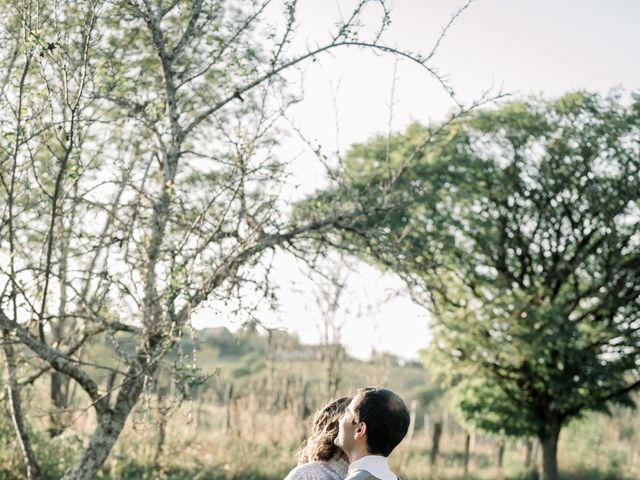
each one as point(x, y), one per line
point(519, 46)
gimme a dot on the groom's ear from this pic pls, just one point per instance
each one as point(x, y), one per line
point(361, 431)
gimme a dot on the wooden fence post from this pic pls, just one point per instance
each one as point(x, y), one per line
point(435, 448)
point(228, 400)
point(467, 450)
point(427, 426)
point(528, 453)
point(412, 421)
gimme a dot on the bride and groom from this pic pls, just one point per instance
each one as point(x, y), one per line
point(352, 438)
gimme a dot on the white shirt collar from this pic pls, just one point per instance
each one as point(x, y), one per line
point(376, 465)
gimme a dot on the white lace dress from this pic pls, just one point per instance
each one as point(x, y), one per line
point(334, 469)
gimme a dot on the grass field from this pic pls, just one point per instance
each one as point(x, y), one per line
point(263, 447)
point(253, 434)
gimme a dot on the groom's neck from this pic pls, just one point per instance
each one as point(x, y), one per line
point(357, 454)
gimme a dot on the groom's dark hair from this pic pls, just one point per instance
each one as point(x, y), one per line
point(386, 417)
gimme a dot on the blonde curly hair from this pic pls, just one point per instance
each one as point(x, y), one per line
point(319, 446)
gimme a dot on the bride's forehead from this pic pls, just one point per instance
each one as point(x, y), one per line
point(352, 405)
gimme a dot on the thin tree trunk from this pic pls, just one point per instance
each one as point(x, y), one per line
point(15, 406)
point(164, 411)
point(59, 401)
point(13, 389)
point(110, 424)
point(285, 393)
point(60, 382)
point(549, 441)
point(104, 437)
point(305, 410)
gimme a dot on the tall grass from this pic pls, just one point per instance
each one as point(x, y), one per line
point(262, 440)
point(261, 446)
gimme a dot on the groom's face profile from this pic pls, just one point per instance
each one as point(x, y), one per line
point(347, 426)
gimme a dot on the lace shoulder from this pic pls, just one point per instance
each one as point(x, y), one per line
point(317, 471)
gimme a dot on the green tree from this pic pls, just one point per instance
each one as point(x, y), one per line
point(520, 227)
point(138, 181)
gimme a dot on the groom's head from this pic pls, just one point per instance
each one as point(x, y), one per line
point(374, 423)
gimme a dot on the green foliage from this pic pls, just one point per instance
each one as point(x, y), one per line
point(138, 182)
point(488, 408)
point(428, 395)
point(200, 450)
point(250, 364)
point(520, 226)
point(54, 456)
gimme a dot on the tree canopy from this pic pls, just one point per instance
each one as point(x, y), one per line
point(520, 228)
point(138, 181)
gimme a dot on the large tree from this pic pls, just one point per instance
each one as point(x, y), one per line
point(520, 227)
point(138, 181)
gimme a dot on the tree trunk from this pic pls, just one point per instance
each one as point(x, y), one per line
point(305, 410)
point(59, 400)
point(110, 424)
point(285, 393)
point(549, 441)
point(165, 411)
point(15, 406)
point(59, 381)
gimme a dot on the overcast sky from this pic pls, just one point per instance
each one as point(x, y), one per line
point(522, 47)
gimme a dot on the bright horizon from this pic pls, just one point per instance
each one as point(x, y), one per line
point(526, 47)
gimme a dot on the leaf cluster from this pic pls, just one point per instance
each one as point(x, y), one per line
point(520, 226)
